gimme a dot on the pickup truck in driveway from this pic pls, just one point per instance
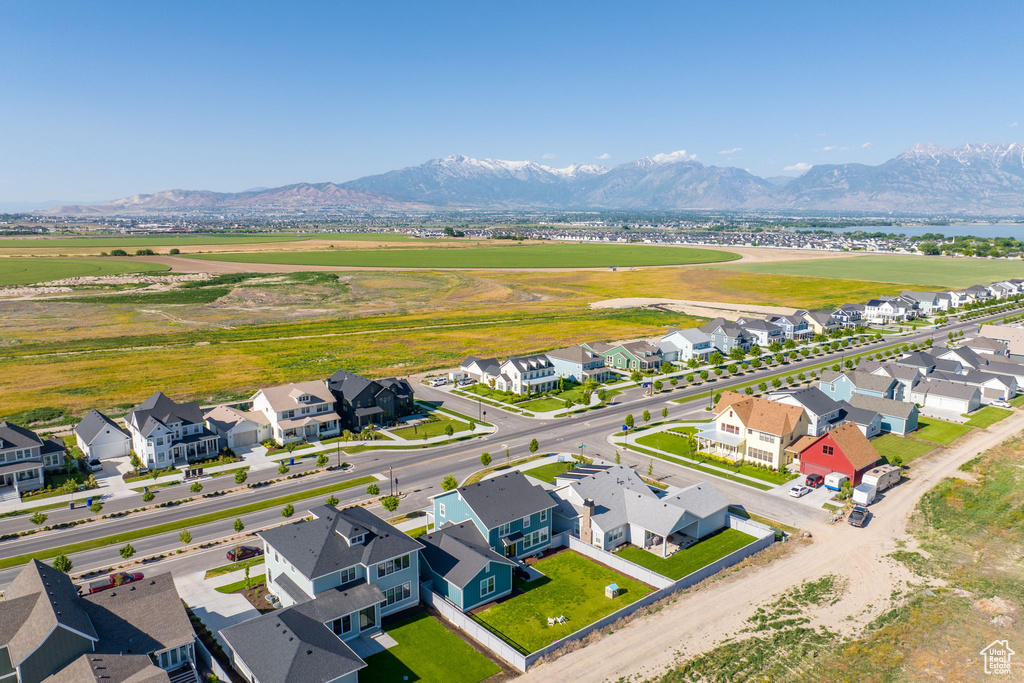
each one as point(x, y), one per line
point(858, 516)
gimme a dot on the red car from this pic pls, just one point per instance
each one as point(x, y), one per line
point(243, 552)
point(114, 580)
point(815, 480)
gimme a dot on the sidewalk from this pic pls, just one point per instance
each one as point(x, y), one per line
point(217, 610)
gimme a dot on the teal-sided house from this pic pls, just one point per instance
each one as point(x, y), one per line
point(512, 515)
point(462, 567)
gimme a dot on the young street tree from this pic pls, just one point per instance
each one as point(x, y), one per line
point(196, 487)
point(127, 551)
point(449, 483)
point(185, 536)
point(63, 563)
point(485, 458)
point(646, 415)
point(534, 446)
point(240, 477)
point(332, 501)
point(373, 489)
point(287, 511)
point(629, 421)
point(38, 519)
point(238, 526)
point(390, 503)
point(322, 460)
point(664, 412)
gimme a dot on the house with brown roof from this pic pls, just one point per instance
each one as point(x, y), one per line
point(753, 429)
point(844, 449)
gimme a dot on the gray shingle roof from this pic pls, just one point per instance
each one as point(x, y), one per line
point(573, 354)
point(93, 424)
point(458, 552)
point(812, 399)
point(505, 498)
point(162, 409)
point(860, 379)
point(14, 436)
point(940, 387)
point(316, 547)
point(883, 406)
point(860, 416)
point(690, 334)
point(140, 617)
point(110, 668)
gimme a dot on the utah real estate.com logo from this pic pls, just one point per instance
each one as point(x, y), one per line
point(997, 657)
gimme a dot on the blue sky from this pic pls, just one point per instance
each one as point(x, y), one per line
point(106, 99)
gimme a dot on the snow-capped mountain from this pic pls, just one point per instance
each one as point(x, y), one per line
point(927, 178)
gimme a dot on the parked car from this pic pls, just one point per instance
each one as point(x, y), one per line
point(114, 580)
point(1000, 403)
point(243, 552)
point(814, 480)
point(858, 516)
point(438, 382)
point(799, 491)
point(466, 382)
point(95, 465)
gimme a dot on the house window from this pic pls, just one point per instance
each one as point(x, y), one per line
point(342, 625)
point(730, 429)
point(505, 529)
point(543, 515)
point(348, 574)
point(440, 509)
point(396, 594)
point(536, 538)
point(392, 566)
point(759, 454)
point(827, 450)
point(767, 438)
point(487, 586)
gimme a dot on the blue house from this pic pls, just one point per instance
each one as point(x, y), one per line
point(840, 386)
point(578, 364)
point(512, 515)
point(793, 326)
point(898, 417)
point(462, 567)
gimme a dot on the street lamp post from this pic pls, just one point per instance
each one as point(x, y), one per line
point(391, 482)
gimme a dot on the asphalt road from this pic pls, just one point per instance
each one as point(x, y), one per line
point(420, 471)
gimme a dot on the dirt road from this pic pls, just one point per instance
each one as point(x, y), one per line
point(706, 309)
point(699, 621)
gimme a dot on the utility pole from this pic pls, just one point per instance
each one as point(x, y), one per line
point(391, 482)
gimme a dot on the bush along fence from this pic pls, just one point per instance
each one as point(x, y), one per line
point(763, 535)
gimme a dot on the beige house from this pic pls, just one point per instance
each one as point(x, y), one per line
point(304, 411)
point(753, 429)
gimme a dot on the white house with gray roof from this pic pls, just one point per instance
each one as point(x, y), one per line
point(24, 456)
point(165, 433)
point(947, 396)
point(100, 437)
point(822, 412)
point(302, 411)
point(238, 429)
point(526, 374)
point(679, 346)
point(614, 506)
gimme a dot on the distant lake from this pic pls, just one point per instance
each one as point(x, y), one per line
point(1014, 230)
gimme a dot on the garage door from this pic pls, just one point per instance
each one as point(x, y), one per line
point(814, 468)
point(245, 438)
point(946, 403)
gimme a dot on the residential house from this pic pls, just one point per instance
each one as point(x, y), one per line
point(303, 411)
point(463, 568)
point(165, 433)
point(925, 363)
point(753, 429)
point(136, 633)
point(100, 437)
point(943, 395)
point(726, 336)
point(986, 347)
point(339, 549)
point(993, 387)
point(898, 417)
point(639, 355)
point(578, 364)
point(958, 297)
point(24, 457)
point(238, 429)
point(483, 370)
point(844, 449)
point(793, 326)
point(979, 293)
point(927, 302)
point(906, 375)
point(849, 315)
point(679, 346)
point(892, 310)
point(840, 386)
point(362, 402)
point(1012, 336)
point(512, 515)
point(821, 322)
point(868, 421)
point(1002, 290)
point(527, 375)
point(821, 410)
point(611, 507)
point(761, 331)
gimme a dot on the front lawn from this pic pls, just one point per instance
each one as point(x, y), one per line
point(427, 651)
point(700, 554)
point(235, 586)
point(542, 405)
point(430, 429)
point(889, 445)
point(572, 586)
point(940, 431)
point(1017, 401)
point(680, 445)
point(550, 471)
point(988, 416)
point(677, 445)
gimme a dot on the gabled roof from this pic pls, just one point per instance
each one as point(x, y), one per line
point(459, 552)
point(939, 387)
point(917, 359)
point(860, 416)
point(140, 617)
point(821, 317)
point(690, 334)
point(761, 414)
point(490, 366)
point(286, 396)
point(38, 600)
point(95, 423)
point(505, 498)
point(758, 324)
point(15, 436)
point(984, 343)
point(860, 379)
point(883, 406)
point(920, 296)
point(529, 363)
point(573, 354)
point(225, 418)
point(813, 399)
point(160, 410)
point(110, 668)
point(850, 440)
point(350, 385)
point(319, 546)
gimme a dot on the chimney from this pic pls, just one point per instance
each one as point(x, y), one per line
point(586, 530)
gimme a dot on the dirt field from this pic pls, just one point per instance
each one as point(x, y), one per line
point(706, 309)
point(701, 620)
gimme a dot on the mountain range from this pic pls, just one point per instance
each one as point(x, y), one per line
point(926, 179)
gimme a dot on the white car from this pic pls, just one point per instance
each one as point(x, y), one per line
point(799, 491)
point(95, 465)
point(1002, 404)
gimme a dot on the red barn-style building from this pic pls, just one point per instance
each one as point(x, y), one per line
point(845, 449)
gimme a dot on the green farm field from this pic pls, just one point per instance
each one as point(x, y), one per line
point(929, 271)
point(473, 257)
point(119, 242)
point(26, 271)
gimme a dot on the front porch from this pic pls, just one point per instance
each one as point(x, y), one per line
point(195, 447)
point(20, 477)
point(666, 547)
point(723, 444)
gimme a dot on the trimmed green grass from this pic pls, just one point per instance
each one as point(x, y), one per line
point(940, 431)
point(889, 445)
point(30, 270)
point(701, 468)
point(509, 256)
point(683, 562)
point(550, 471)
point(680, 445)
point(163, 473)
point(542, 405)
point(183, 524)
point(430, 429)
point(417, 532)
point(233, 567)
point(1017, 401)
point(916, 270)
point(236, 586)
point(427, 651)
point(572, 586)
point(988, 416)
